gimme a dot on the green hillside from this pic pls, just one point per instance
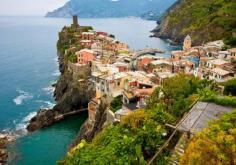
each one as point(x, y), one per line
point(204, 20)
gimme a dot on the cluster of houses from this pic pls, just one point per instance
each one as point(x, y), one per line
point(206, 62)
point(117, 74)
point(110, 61)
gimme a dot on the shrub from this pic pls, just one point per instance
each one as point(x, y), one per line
point(72, 58)
point(116, 104)
point(230, 87)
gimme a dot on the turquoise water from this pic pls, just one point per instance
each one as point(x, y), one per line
point(28, 67)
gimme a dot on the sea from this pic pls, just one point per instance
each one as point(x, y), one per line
point(29, 67)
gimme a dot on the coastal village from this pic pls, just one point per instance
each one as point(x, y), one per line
point(152, 83)
point(132, 76)
point(128, 78)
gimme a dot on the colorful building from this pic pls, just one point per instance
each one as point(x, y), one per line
point(85, 56)
point(88, 36)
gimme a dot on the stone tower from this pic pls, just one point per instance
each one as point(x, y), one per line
point(187, 43)
point(75, 21)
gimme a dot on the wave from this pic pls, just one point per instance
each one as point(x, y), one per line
point(49, 90)
point(56, 73)
point(21, 127)
point(22, 97)
point(47, 104)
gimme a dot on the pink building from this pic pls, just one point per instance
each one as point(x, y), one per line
point(88, 36)
point(85, 56)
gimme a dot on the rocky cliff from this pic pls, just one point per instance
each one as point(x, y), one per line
point(70, 95)
point(73, 90)
point(203, 20)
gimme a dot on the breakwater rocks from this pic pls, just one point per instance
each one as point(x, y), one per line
point(5, 139)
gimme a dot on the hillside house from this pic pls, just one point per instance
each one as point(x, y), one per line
point(102, 33)
point(177, 55)
point(85, 56)
point(88, 35)
point(233, 52)
point(220, 75)
point(216, 63)
point(86, 43)
point(161, 66)
point(143, 61)
point(123, 67)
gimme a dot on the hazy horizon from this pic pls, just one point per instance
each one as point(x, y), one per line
point(29, 7)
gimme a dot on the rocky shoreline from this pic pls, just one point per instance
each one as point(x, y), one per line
point(5, 139)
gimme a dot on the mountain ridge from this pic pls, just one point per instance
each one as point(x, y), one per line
point(149, 9)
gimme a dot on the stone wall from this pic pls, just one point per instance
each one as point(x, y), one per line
point(79, 71)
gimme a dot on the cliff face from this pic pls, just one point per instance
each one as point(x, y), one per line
point(203, 20)
point(69, 94)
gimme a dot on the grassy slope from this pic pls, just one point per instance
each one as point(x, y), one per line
point(205, 20)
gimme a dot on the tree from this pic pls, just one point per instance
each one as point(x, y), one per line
point(215, 144)
point(116, 104)
point(230, 87)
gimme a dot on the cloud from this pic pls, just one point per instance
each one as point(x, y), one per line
point(29, 7)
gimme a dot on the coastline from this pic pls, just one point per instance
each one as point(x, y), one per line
point(5, 139)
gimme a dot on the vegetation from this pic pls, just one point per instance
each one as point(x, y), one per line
point(140, 134)
point(220, 139)
point(72, 58)
point(116, 104)
point(177, 94)
point(230, 87)
point(210, 95)
point(213, 19)
point(136, 138)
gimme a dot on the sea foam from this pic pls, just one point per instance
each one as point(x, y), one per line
point(49, 90)
point(46, 104)
point(21, 127)
point(22, 97)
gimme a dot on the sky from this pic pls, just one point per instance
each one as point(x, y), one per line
point(29, 7)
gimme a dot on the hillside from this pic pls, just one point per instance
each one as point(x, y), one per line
point(203, 20)
point(150, 9)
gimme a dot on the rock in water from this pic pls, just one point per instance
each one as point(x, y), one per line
point(44, 118)
point(4, 140)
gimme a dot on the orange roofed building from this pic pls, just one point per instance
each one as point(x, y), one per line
point(85, 56)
